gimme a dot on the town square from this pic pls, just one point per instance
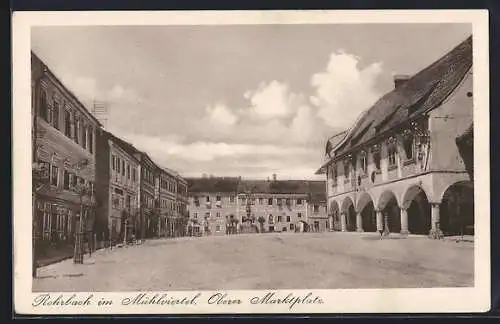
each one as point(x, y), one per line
point(275, 157)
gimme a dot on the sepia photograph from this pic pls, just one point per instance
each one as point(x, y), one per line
point(276, 158)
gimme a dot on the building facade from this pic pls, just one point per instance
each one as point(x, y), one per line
point(64, 135)
point(219, 206)
point(212, 206)
point(181, 224)
point(167, 200)
point(148, 208)
point(399, 168)
point(123, 190)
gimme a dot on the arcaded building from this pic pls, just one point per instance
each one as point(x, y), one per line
point(406, 164)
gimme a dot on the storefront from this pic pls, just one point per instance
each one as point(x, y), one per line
point(55, 219)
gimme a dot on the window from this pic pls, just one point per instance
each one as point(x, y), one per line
point(123, 167)
point(288, 218)
point(261, 201)
point(128, 171)
point(67, 123)
point(376, 159)
point(271, 219)
point(271, 228)
point(278, 201)
point(284, 229)
point(217, 228)
point(391, 155)
point(231, 199)
point(243, 200)
point(118, 164)
point(208, 199)
point(292, 227)
point(408, 146)
point(66, 180)
point(218, 198)
point(77, 131)
point(299, 202)
point(55, 119)
point(91, 140)
point(84, 137)
point(134, 174)
point(364, 164)
point(75, 180)
point(44, 109)
point(280, 218)
point(195, 215)
point(299, 215)
point(54, 175)
point(315, 208)
point(270, 201)
point(218, 215)
point(346, 169)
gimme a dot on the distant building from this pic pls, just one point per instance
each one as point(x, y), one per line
point(406, 163)
point(172, 200)
point(118, 185)
point(219, 206)
point(212, 206)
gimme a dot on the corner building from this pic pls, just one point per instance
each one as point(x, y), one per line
point(406, 164)
point(64, 144)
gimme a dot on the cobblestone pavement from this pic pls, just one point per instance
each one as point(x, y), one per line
point(268, 261)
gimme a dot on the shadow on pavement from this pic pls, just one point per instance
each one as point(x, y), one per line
point(378, 238)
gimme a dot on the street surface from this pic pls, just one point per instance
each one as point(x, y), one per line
point(268, 261)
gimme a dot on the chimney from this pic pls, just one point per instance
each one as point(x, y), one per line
point(399, 79)
point(274, 176)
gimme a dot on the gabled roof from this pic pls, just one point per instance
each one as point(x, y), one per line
point(315, 190)
point(421, 93)
point(126, 146)
point(212, 185)
point(334, 141)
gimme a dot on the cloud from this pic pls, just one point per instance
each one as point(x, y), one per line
point(276, 130)
point(344, 91)
point(220, 158)
point(120, 94)
point(271, 100)
point(219, 114)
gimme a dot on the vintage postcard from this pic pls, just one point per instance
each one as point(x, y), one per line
point(251, 162)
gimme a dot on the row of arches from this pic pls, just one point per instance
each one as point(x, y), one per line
point(454, 215)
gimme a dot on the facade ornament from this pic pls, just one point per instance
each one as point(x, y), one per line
point(391, 141)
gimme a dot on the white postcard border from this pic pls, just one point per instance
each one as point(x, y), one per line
point(427, 300)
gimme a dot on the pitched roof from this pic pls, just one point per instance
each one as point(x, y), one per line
point(421, 93)
point(126, 146)
point(334, 141)
point(314, 189)
point(212, 185)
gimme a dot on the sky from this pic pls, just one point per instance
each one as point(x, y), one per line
point(249, 100)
